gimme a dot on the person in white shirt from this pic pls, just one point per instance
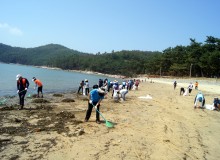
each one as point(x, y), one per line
point(123, 92)
point(190, 87)
point(86, 85)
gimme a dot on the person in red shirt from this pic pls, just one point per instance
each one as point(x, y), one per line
point(39, 86)
point(22, 87)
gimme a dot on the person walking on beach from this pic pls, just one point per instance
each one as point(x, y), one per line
point(136, 84)
point(199, 98)
point(39, 86)
point(22, 87)
point(95, 97)
point(81, 86)
point(174, 84)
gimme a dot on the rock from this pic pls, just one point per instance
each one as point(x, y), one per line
point(68, 100)
point(17, 120)
point(57, 95)
point(80, 132)
point(37, 130)
point(40, 100)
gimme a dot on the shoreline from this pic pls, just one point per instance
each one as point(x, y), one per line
point(205, 84)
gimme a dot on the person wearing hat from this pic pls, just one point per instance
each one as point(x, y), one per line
point(39, 86)
point(86, 85)
point(95, 97)
point(22, 86)
point(199, 99)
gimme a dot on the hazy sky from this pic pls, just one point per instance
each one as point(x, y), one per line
point(104, 25)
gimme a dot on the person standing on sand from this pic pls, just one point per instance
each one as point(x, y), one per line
point(199, 98)
point(22, 87)
point(196, 85)
point(39, 86)
point(136, 84)
point(190, 87)
point(86, 87)
point(81, 86)
point(174, 84)
point(95, 98)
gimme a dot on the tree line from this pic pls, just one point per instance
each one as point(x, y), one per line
point(196, 59)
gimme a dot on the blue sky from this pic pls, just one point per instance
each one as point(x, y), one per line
point(94, 26)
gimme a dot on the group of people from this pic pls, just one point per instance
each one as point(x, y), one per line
point(84, 86)
point(96, 95)
point(199, 101)
point(99, 90)
point(22, 87)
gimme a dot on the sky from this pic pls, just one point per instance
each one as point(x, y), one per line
point(94, 26)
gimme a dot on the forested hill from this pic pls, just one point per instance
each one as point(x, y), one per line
point(197, 59)
point(33, 56)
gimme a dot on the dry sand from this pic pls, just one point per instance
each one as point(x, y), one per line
point(164, 127)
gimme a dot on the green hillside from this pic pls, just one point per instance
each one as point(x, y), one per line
point(196, 59)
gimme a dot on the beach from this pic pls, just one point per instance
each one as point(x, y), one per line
point(162, 124)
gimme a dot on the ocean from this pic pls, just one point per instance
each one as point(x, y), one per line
point(53, 80)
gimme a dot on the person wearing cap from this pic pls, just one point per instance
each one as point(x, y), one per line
point(95, 97)
point(39, 86)
point(22, 86)
point(86, 85)
point(115, 90)
point(199, 99)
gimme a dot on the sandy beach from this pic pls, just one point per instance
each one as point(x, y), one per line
point(164, 127)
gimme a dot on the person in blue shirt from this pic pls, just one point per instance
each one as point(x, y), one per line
point(199, 98)
point(95, 98)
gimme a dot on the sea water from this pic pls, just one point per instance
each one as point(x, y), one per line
point(53, 80)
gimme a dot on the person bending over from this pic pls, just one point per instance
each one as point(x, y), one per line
point(199, 99)
point(39, 86)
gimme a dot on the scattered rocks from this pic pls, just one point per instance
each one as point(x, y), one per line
point(65, 115)
point(40, 100)
point(77, 133)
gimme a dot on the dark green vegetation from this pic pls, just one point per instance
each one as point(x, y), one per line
point(197, 59)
